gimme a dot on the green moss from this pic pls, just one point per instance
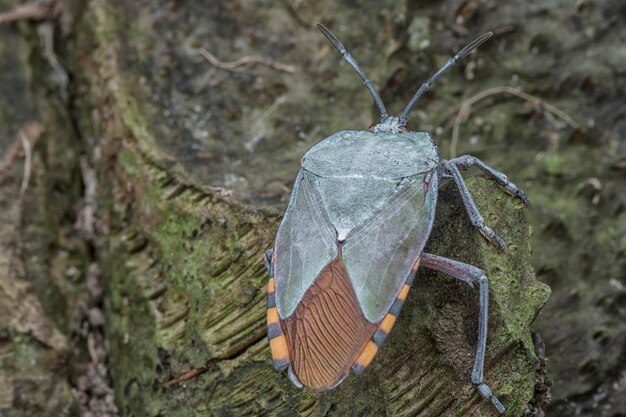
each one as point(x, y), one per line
point(186, 286)
point(170, 225)
point(514, 293)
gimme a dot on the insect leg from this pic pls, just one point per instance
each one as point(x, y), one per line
point(471, 275)
point(472, 211)
point(348, 58)
point(466, 161)
point(267, 261)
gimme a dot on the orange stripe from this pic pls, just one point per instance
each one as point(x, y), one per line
point(416, 265)
point(403, 292)
point(387, 323)
point(367, 355)
point(270, 286)
point(272, 315)
point(278, 346)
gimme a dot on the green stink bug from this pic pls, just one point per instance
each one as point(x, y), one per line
point(352, 238)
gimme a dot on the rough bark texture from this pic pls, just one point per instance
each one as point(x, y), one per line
point(194, 163)
point(41, 255)
point(186, 287)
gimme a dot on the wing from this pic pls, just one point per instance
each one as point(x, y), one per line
point(379, 254)
point(334, 312)
point(327, 332)
point(305, 244)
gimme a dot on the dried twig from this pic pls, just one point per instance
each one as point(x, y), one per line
point(33, 131)
point(26, 139)
point(41, 11)
point(35, 10)
point(27, 162)
point(246, 61)
point(59, 75)
point(466, 109)
point(186, 376)
point(85, 221)
point(577, 6)
point(45, 12)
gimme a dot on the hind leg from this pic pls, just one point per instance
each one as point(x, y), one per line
point(471, 275)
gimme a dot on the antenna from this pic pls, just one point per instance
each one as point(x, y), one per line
point(469, 48)
point(348, 58)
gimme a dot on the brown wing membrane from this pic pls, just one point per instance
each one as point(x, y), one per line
point(327, 331)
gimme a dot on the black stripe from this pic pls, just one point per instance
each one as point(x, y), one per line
point(271, 300)
point(409, 280)
point(280, 364)
point(379, 337)
point(358, 369)
point(274, 330)
point(395, 307)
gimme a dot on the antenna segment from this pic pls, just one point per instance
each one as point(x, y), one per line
point(348, 58)
point(469, 48)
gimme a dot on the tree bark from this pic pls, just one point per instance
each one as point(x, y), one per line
point(188, 200)
point(186, 284)
point(41, 255)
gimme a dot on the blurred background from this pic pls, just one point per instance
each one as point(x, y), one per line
point(239, 90)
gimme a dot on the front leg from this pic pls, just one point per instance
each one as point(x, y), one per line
point(467, 161)
point(451, 169)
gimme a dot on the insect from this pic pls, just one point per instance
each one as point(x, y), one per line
point(352, 239)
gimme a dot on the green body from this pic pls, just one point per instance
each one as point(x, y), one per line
point(372, 194)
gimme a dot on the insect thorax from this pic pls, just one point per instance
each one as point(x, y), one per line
point(366, 154)
point(350, 202)
point(357, 172)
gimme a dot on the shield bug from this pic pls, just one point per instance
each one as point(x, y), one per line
point(352, 239)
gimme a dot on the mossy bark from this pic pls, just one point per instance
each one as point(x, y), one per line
point(41, 255)
point(187, 296)
point(146, 108)
point(186, 284)
point(194, 165)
